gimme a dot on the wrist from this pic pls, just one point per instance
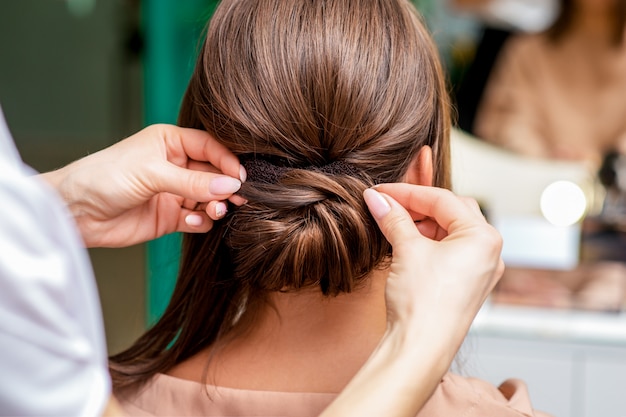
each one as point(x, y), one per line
point(61, 181)
point(399, 377)
point(66, 182)
point(415, 341)
point(57, 180)
point(53, 178)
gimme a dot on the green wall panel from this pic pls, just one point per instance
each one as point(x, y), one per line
point(172, 31)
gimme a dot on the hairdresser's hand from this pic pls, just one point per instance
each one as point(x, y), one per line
point(444, 266)
point(158, 181)
point(442, 271)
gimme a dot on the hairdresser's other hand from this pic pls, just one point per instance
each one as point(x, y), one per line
point(160, 180)
point(441, 272)
point(443, 267)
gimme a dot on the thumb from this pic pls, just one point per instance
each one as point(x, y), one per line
point(393, 220)
point(195, 185)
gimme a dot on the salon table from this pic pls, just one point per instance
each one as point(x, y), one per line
point(574, 362)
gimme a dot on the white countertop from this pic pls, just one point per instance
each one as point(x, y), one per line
point(551, 324)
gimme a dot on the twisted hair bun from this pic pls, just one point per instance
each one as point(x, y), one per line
point(308, 229)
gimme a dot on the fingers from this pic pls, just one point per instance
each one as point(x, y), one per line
point(194, 185)
point(394, 221)
point(193, 222)
point(237, 200)
point(452, 214)
point(192, 202)
point(443, 215)
point(216, 210)
point(201, 219)
point(201, 146)
point(431, 230)
point(197, 150)
point(437, 203)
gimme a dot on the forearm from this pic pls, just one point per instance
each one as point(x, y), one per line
point(429, 309)
point(88, 187)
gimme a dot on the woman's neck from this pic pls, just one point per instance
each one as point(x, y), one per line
point(303, 342)
point(315, 318)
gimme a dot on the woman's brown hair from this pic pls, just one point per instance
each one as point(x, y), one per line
point(302, 85)
point(565, 19)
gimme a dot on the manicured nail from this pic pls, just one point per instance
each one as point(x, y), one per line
point(194, 220)
point(243, 175)
point(223, 185)
point(379, 207)
point(220, 210)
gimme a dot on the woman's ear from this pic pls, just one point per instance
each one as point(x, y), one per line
point(421, 169)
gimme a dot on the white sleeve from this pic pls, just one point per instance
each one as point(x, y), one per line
point(53, 358)
point(524, 15)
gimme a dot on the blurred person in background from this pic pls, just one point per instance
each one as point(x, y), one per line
point(561, 94)
point(498, 20)
point(512, 15)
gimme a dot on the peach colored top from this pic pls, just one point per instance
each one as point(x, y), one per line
point(456, 396)
point(564, 100)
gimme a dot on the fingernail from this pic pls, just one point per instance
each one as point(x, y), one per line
point(379, 207)
point(220, 210)
point(194, 220)
point(243, 175)
point(224, 185)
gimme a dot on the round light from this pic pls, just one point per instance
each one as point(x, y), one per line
point(563, 203)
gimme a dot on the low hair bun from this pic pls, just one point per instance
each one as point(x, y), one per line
point(309, 229)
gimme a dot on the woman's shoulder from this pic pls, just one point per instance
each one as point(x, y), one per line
point(455, 395)
point(530, 45)
point(476, 397)
point(166, 395)
point(524, 57)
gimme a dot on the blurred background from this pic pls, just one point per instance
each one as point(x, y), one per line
point(71, 83)
point(539, 89)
